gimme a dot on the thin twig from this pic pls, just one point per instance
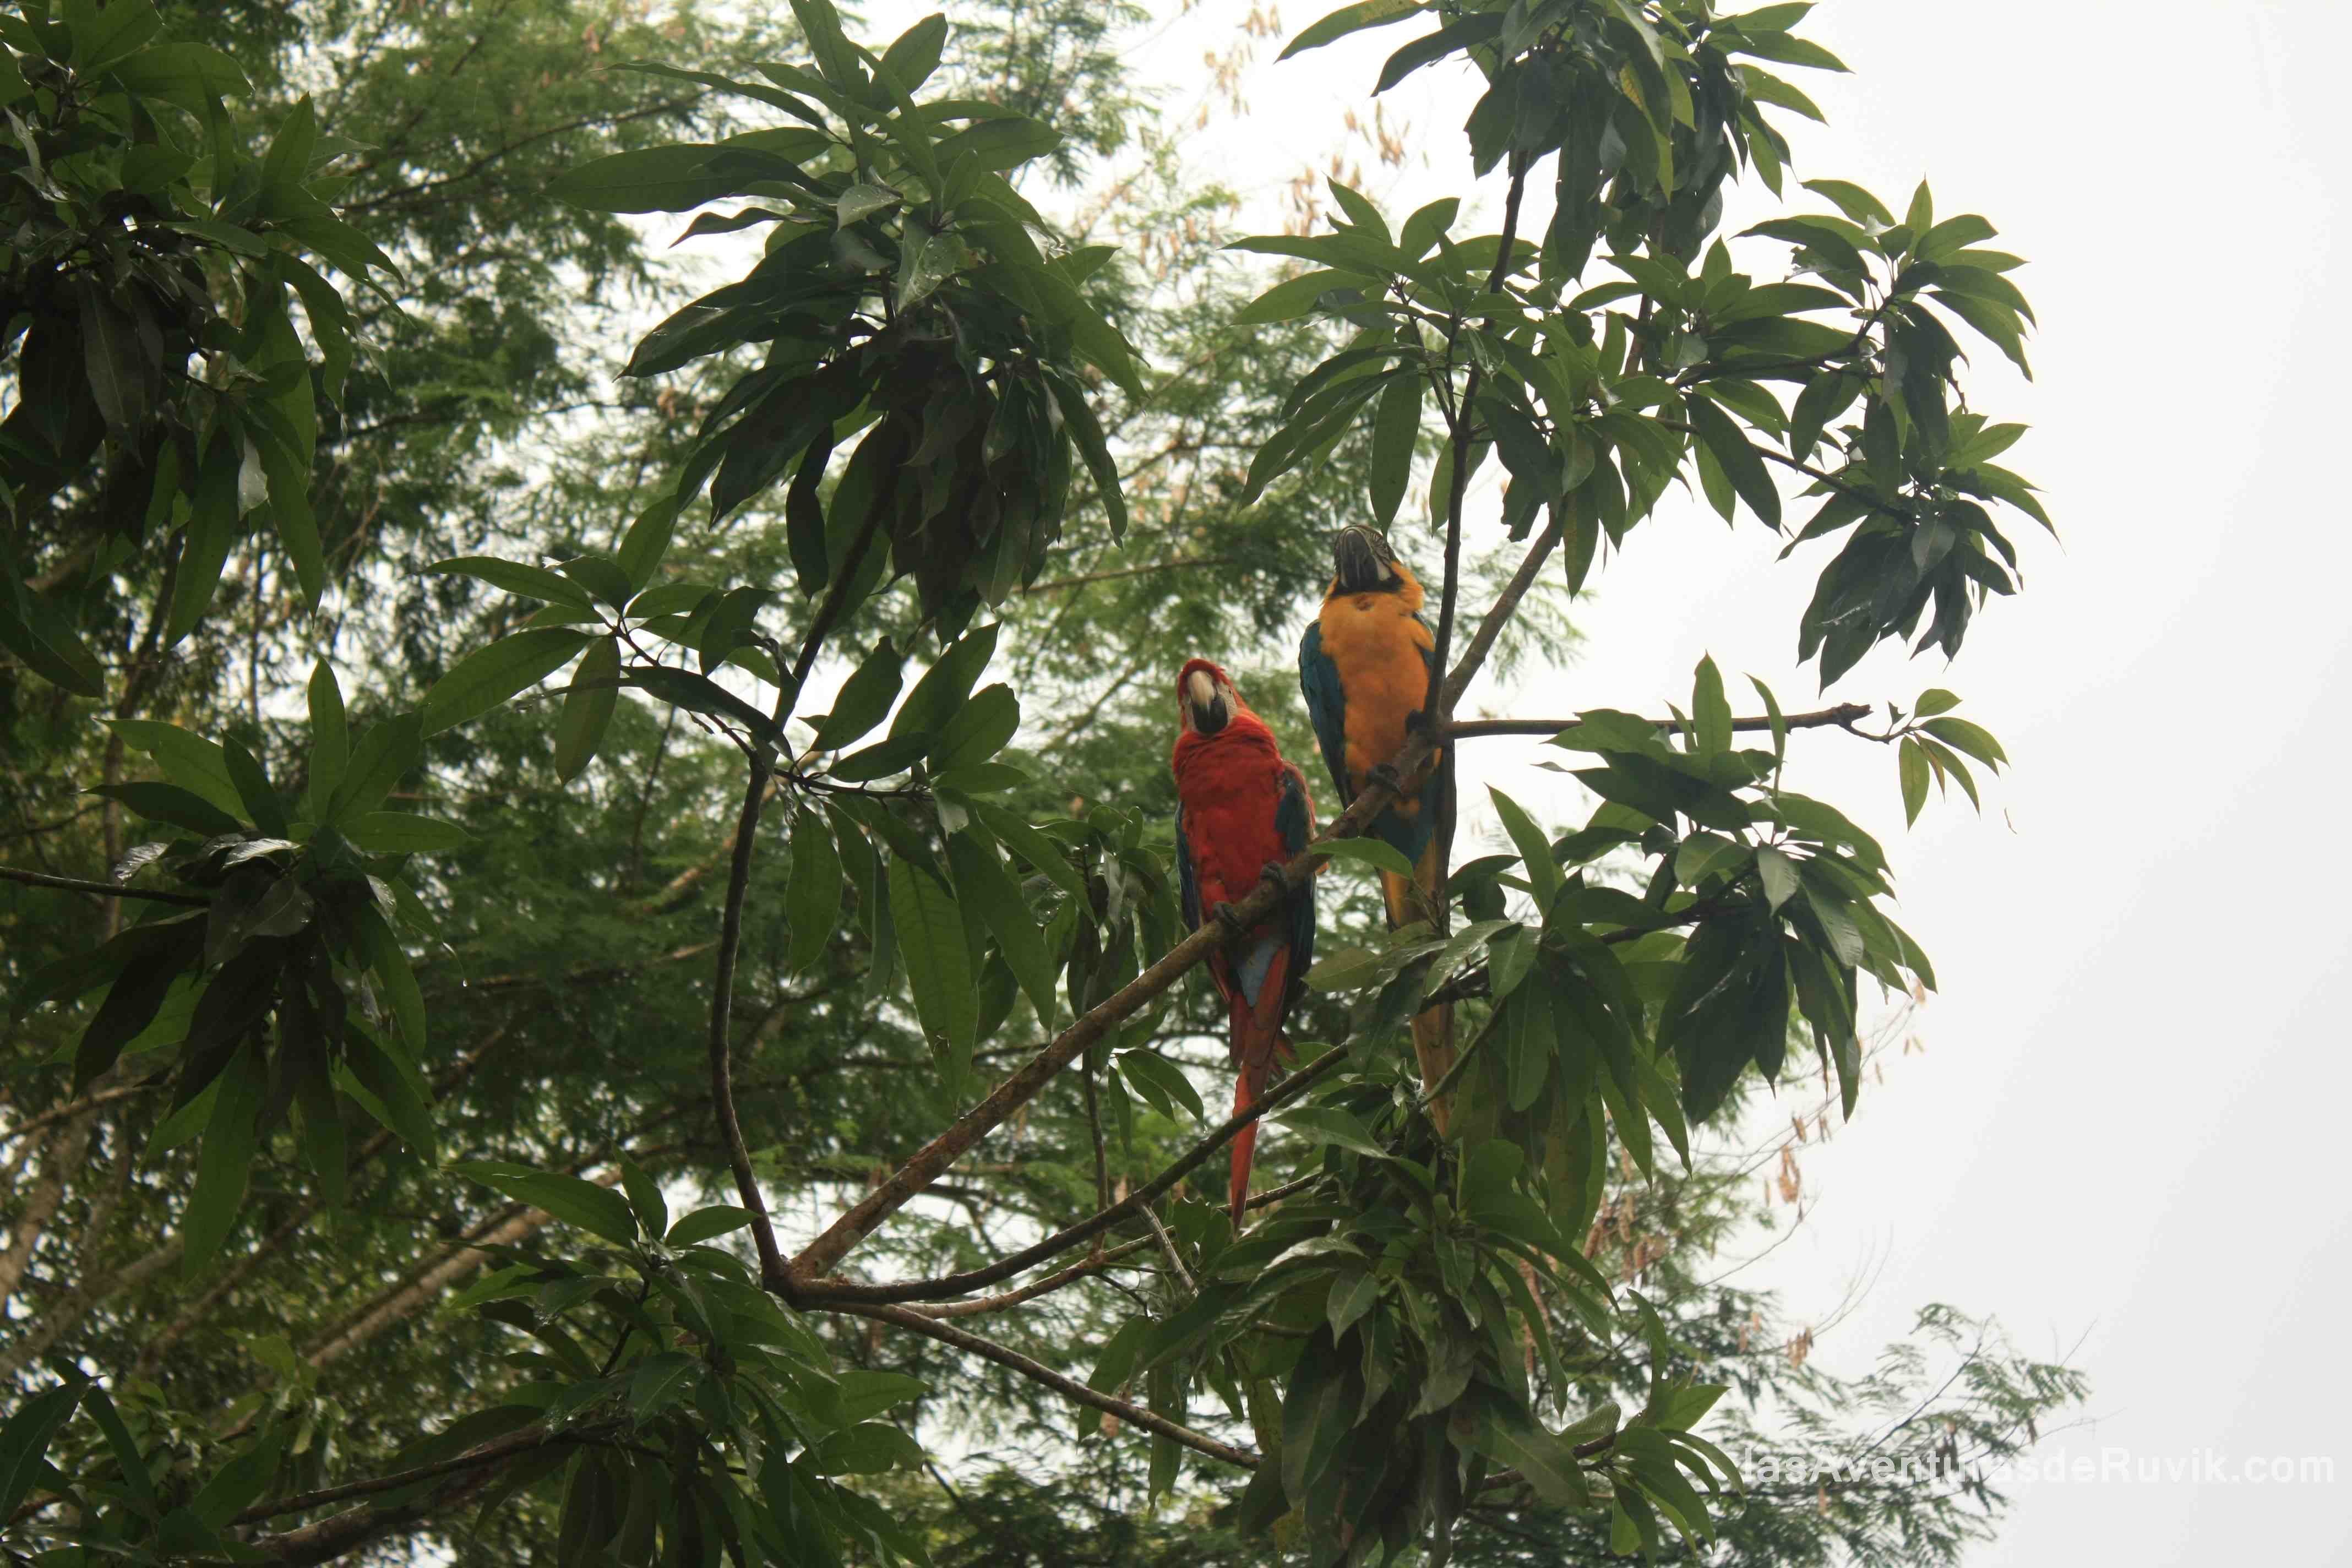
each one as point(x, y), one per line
point(1037, 1371)
point(1841, 717)
point(1036, 1288)
point(102, 890)
point(495, 1449)
point(772, 1268)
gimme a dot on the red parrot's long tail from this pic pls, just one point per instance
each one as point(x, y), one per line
point(1256, 1039)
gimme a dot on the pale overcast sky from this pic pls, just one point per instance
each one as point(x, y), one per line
point(2125, 1131)
point(2122, 1139)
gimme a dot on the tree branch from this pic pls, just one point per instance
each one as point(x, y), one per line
point(102, 890)
point(1036, 1288)
point(1068, 1387)
point(831, 1291)
point(738, 881)
point(1842, 717)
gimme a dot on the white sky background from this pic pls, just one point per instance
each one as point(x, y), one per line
point(2125, 1129)
point(2126, 1123)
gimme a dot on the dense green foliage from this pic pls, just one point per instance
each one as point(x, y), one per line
point(391, 1006)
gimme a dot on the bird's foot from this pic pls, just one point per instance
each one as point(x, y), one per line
point(1227, 917)
point(1272, 877)
point(1385, 776)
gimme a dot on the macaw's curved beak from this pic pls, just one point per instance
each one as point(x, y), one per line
point(1357, 562)
point(1205, 704)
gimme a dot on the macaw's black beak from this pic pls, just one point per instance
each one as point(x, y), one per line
point(1357, 567)
point(1210, 717)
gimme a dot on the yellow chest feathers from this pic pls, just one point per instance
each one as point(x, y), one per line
point(1379, 649)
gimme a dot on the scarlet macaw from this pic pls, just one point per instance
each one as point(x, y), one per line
point(1242, 812)
point(1364, 668)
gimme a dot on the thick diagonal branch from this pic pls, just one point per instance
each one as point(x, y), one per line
point(826, 1293)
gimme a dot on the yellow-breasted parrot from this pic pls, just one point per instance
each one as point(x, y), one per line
point(1243, 811)
point(1364, 666)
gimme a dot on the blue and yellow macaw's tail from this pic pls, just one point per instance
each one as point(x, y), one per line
point(1364, 669)
point(1432, 1032)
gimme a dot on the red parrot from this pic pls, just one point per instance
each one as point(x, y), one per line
point(1243, 811)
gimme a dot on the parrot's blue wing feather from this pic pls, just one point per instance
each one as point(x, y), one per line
point(1326, 707)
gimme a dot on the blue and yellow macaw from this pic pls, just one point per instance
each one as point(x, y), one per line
point(1364, 669)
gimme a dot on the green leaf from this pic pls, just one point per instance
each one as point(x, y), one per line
point(1544, 874)
point(596, 1209)
point(189, 75)
point(1329, 1124)
point(1710, 709)
point(215, 526)
point(864, 699)
point(980, 729)
point(868, 1448)
point(644, 1195)
point(660, 1381)
point(102, 36)
point(1079, 420)
point(26, 1437)
point(385, 957)
point(1297, 297)
point(188, 760)
point(914, 54)
point(127, 1457)
point(945, 686)
point(226, 1161)
point(588, 708)
point(999, 144)
point(1740, 462)
point(1914, 767)
point(262, 807)
point(1395, 428)
point(488, 676)
point(170, 805)
point(1377, 853)
point(330, 742)
point(1780, 874)
point(930, 931)
point(385, 754)
point(708, 1224)
point(1854, 202)
point(813, 895)
point(1963, 736)
point(402, 833)
point(1162, 1081)
point(672, 178)
point(983, 884)
point(529, 582)
point(1017, 835)
point(647, 540)
point(698, 694)
point(380, 1077)
point(1350, 19)
point(1346, 970)
point(1548, 1464)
